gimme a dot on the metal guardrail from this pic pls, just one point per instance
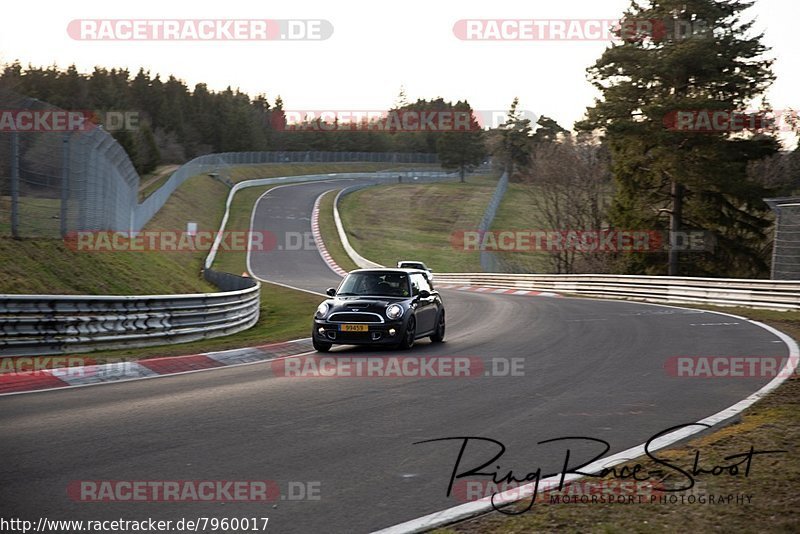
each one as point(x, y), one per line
point(42, 324)
point(768, 294)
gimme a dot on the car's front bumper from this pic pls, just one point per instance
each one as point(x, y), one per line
point(387, 333)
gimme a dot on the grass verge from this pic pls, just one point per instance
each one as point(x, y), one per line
point(151, 182)
point(406, 221)
point(773, 423)
point(235, 261)
point(49, 266)
point(329, 234)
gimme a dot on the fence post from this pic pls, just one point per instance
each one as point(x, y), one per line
point(64, 184)
point(487, 259)
point(15, 184)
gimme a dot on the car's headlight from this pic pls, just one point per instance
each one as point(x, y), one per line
point(394, 311)
point(322, 309)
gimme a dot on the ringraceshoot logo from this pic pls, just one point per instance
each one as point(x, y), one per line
point(582, 491)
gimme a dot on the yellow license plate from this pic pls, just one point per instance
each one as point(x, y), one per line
point(354, 327)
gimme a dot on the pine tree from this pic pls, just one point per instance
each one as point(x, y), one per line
point(464, 148)
point(688, 55)
point(514, 144)
point(548, 130)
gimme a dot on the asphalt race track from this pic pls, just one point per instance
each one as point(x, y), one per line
point(591, 368)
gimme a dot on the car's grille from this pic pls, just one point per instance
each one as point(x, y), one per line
point(352, 336)
point(355, 317)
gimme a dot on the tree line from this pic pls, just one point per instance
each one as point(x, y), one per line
point(176, 123)
point(624, 167)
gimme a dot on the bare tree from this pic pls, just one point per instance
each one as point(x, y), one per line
point(569, 190)
point(780, 171)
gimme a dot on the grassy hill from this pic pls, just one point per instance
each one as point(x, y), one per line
point(48, 266)
point(409, 221)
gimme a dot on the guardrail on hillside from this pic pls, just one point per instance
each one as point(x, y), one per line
point(769, 294)
point(55, 324)
point(217, 163)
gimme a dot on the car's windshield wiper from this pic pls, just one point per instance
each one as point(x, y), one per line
point(346, 294)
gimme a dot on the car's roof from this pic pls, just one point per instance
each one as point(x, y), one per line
point(386, 270)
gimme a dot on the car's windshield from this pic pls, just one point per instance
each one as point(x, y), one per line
point(409, 265)
point(375, 284)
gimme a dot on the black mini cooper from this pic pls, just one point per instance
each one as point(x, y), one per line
point(380, 307)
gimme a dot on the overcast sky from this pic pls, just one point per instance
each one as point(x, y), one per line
point(376, 48)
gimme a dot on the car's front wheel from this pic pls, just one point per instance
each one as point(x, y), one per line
point(321, 346)
point(409, 335)
point(438, 335)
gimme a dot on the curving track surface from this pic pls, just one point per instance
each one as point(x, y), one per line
point(592, 368)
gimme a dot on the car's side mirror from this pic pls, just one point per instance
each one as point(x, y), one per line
point(331, 292)
point(424, 294)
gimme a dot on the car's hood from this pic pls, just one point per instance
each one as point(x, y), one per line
point(364, 304)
